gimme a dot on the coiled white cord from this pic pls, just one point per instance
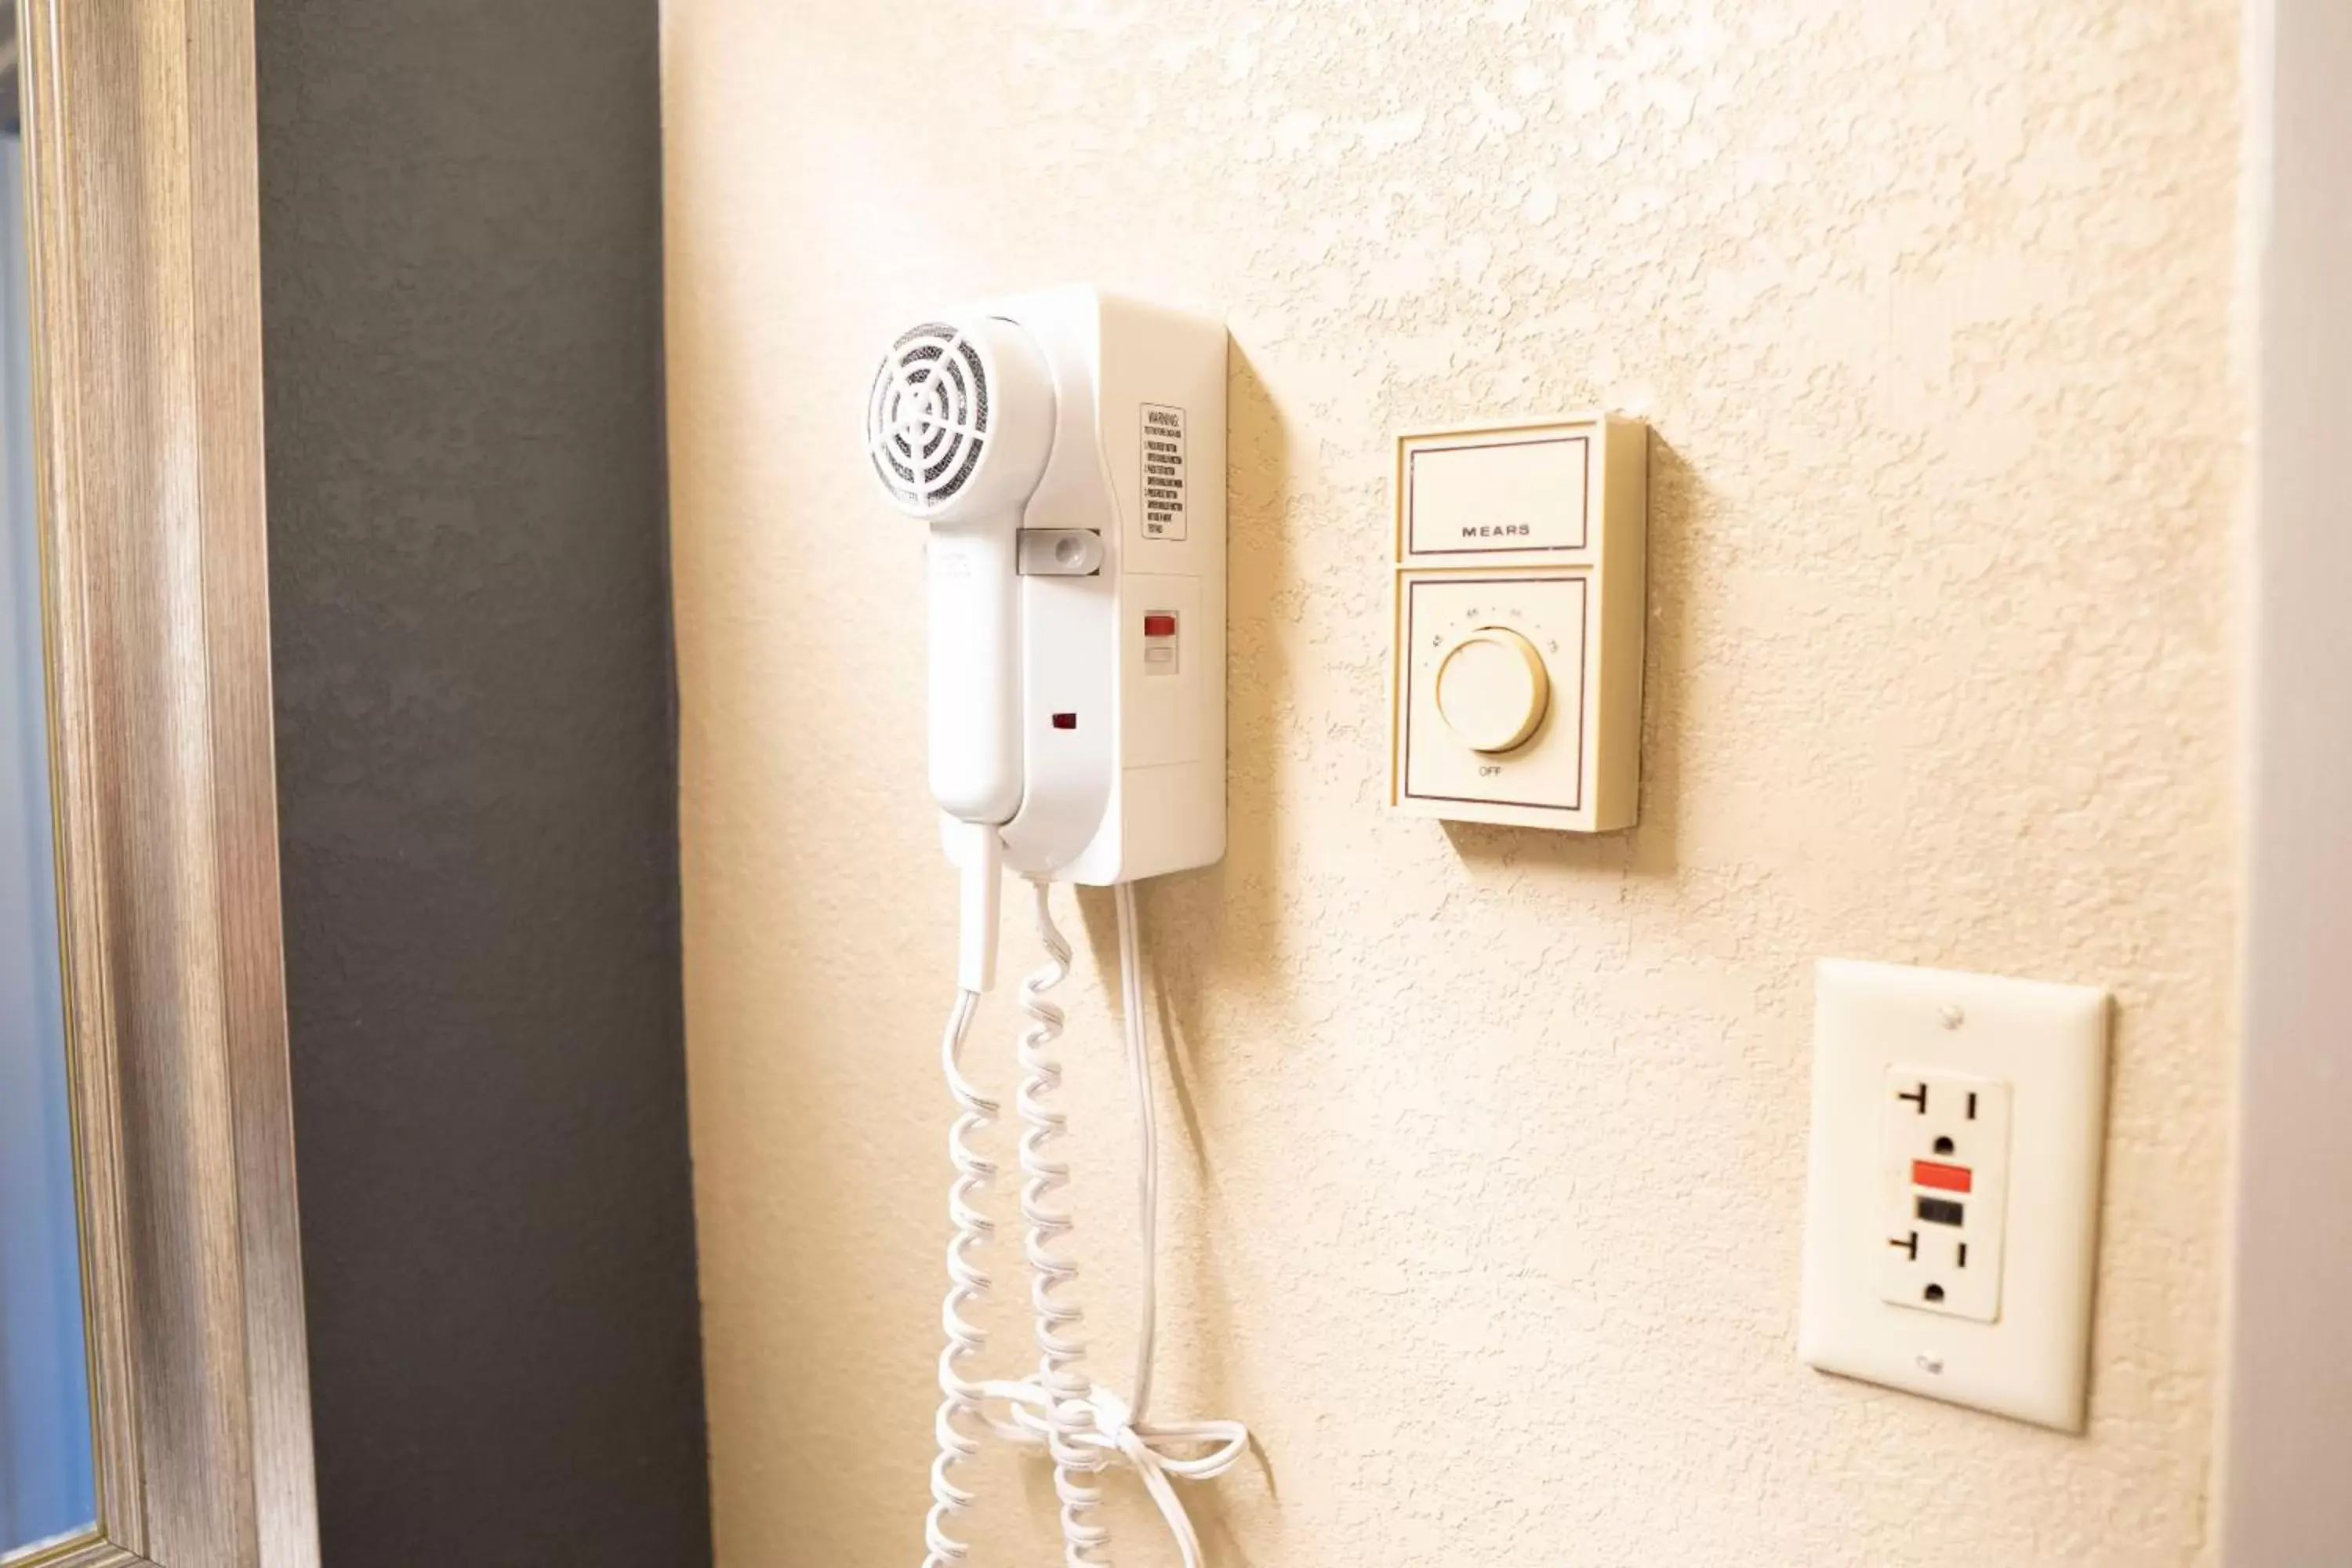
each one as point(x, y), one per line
point(1088, 1422)
point(1081, 1425)
point(966, 1282)
point(1061, 1353)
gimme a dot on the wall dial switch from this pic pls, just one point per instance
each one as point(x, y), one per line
point(1518, 572)
point(1496, 691)
point(1952, 1194)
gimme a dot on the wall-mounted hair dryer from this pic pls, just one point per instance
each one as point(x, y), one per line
point(1067, 450)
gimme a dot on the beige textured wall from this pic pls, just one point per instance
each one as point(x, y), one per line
point(1491, 1145)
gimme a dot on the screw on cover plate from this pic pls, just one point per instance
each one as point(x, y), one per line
point(1933, 1364)
point(1953, 1017)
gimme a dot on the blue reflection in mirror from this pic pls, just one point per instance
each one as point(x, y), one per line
point(47, 1488)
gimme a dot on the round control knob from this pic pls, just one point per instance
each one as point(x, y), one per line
point(1492, 689)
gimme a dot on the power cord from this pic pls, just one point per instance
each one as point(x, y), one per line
point(1136, 1028)
point(1060, 1381)
point(1086, 1425)
point(966, 1282)
point(1082, 1426)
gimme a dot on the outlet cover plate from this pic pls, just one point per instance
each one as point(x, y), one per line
point(2048, 1043)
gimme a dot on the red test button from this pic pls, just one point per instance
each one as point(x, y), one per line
point(1160, 626)
point(1950, 1178)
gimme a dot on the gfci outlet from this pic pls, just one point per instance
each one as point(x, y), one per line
point(1943, 1168)
point(1951, 1218)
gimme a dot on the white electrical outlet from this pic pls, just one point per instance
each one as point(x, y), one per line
point(1944, 1172)
point(1955, 1111)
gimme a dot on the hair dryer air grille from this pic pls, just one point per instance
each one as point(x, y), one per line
point(927, 419)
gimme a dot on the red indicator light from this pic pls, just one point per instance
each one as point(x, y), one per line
point(1950, 1178)
point(1159, 625)
point(1065, 720)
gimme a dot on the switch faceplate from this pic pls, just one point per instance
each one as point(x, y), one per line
point(1496, 689)
point(1951, 1217)
point(1516, 694)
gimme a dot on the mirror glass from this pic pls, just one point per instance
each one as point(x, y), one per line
point(47, 1488)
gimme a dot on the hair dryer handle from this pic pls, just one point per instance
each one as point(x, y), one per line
point(975, 656)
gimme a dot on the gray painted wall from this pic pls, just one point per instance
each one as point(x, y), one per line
point(2286, 1497)
point(461, 304)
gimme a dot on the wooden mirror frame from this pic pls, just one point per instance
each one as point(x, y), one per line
point(144, 228)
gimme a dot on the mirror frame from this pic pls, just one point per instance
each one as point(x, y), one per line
point(143, 225)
